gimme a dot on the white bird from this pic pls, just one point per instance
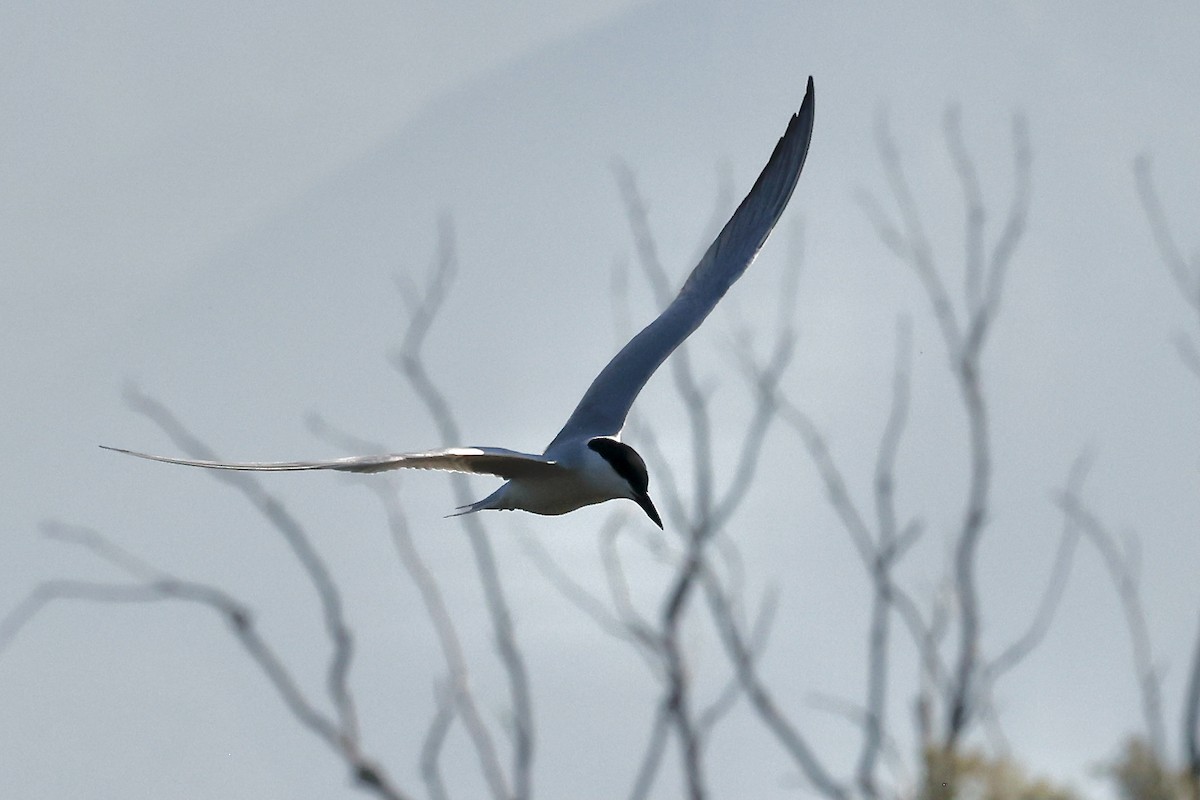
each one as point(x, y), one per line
point(586, 463)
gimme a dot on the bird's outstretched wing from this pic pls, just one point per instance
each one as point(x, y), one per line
point(488, 460)
point(604, 407)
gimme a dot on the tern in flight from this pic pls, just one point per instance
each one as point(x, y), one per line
point(587, 463)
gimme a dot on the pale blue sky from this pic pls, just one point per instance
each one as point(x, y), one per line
point(213, 201)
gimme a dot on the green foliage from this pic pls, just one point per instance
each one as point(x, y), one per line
point(1141, 775)
point(975, 776)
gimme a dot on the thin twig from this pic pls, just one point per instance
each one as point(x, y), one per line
point(677, 699)
point(435, 738)
point(623, 624)
point(1123, 571)
point(156, 585)
point(443, 624)
point(973, 205)
point(1191, 720)
point(296, 537)
point(913, 244)
point(760, 633)
point(793, 741)
point(408, 360)
point(656, 744)
point(439, 616)
point(1055, 584)
point(1186, 277)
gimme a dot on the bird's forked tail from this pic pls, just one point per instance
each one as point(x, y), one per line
point(491, 501)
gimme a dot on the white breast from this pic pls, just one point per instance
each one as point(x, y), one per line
point(587, 479)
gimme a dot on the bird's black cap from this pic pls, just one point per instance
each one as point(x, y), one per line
point(626, 462)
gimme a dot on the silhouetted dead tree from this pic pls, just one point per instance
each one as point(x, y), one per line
point(702, 558)
point(959, 687)
point(955, 678)
point(454, 700)
point(955, 691)
point(1122, 559)
point(964, 327)
point(1144, 769)
point(408, 360)
point(340, 729)
point(1185, 273)
point(700, 521)
point(881, 544)
point(964, 334)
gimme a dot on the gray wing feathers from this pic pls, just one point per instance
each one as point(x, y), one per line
point(487, 460)
point(604, 407)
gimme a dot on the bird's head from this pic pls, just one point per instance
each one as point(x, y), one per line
point(630, 467)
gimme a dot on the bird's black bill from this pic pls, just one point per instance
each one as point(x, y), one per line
point(643, 500)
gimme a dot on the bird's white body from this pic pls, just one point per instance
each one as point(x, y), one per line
point(585, 479)
point(586, 463)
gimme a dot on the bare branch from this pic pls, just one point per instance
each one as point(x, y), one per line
point(885, 229)
point(1126, 581)
point(323, 429)
point(1191, 719)
point(624, 625)
point(966, 358)
point(734, 574)
point(1055, 584)
point(1182, 273)
point(643, 782)
point(874, 726)
point(677, 700)
point(886, 555)
point(105, 550)
point(693, 396)
point(424, 306)
point(974, 517)
point(742, 656)
point(759, 634)
point(831, 475)
point(643, 239)
point(877, 558)
point(678, 691)
point(916, 243)
point(1187, 279)
point(1014, 226)
point(1188, 353)
point(409, 361)
point(618, 589)
point(964, 337)
point(972, 203)
point(591, 605)
point(296, 537)
point(158, 586)
point(50, 591)
point(766, 410)
point(889, 442)
point(709, 513)
point(857, 716)
point(435, 738)
point(439, 615)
